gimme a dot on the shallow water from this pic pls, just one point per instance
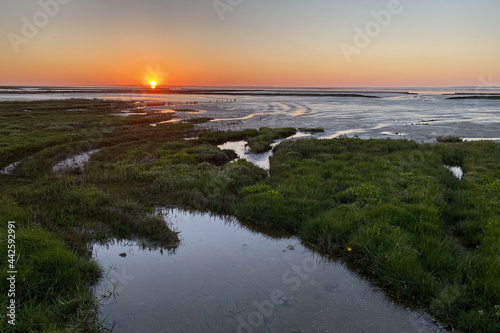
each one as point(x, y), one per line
point(481, 139)
point(240, 147)
point(402, 116)
point(74, 162)
point(262, 159)
point(9, 169)
point(225, 277)
point(170, 121)
point(422, 116)
point(457, 171)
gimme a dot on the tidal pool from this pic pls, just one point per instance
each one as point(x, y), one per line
point(74, 162)
point(226, 276)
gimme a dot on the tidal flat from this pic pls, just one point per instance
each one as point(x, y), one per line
point(391, 210)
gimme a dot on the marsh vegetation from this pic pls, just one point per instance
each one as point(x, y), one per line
point(390, 207)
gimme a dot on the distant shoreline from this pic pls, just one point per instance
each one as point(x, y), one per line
point(454, 93)
point(184, 92)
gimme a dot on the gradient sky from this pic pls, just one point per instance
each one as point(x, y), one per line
point(259, 42)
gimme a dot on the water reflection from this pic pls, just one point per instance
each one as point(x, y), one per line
point(397, 111)
point(226, 277)
point(344, 133)
point(240, 147)
point(457, 171)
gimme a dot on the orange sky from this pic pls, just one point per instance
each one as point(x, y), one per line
point(286, 43)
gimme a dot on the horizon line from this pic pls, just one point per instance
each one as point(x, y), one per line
point(243, 86)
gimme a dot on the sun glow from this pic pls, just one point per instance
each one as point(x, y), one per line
point(153, 84)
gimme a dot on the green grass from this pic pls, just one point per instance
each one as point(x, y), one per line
point(258, 141)
point(389, 207)
point(448, 139)
point(262, 142)
point(422, 234)
point(312, 130)
point(58, 214)
point(52, 285)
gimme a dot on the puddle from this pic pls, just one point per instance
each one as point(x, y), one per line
point(226, 277)
point(346, 132)
point(9, 169)
point(241, 118)
point(127, 114)
point(481, 139)
point(299, 135)
point(457, 171)
point(393, 134)
point(166, 122)
point(74, 162)
point(189, 111)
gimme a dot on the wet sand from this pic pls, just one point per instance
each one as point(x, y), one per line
point(413, 117)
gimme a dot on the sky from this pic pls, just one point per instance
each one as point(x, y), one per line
point(285, 43)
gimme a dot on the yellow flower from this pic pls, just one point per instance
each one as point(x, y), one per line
point(349, 249)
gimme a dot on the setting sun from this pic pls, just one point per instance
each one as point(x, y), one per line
point(153, 84)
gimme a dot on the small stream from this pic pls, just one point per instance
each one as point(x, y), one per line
point(262, 159)
point(226, 276)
